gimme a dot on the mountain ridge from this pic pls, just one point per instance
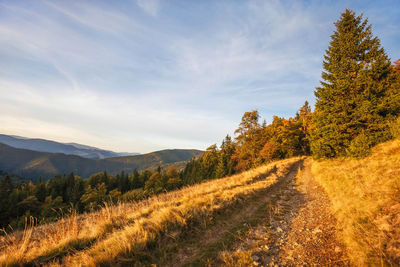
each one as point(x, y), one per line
point(33, 164)
point(44, 145)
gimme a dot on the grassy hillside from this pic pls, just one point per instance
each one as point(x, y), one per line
point(32, 164)
point(366, 200)
point(142, 232)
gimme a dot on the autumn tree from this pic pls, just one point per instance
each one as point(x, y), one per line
point(349, 109)
point(172, 179)
point(285, 138)
point(396, 65)
point(270, 151)
point(248, 141)
point(154, 184)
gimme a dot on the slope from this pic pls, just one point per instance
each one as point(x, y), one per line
point(287, 213)
point(43, 145)
point(32, 164)
point(157, 158)
point(151, 231)
point(365, 195)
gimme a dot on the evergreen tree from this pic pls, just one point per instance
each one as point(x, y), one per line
point(392, 103)
point(353, 89)
point(221, 168)
point(57, 186)
point(304, 117)
point(209, 161)
point(53, 208)
point(122, 181)
point(6, 188)
point(70, 184)
point(77, 192)
point(135, 181)
point(225, 162)
point(94, 196)
point(40, 190)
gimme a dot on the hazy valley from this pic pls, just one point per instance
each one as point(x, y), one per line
point(33, 164)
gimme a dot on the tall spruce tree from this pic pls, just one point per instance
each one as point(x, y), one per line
point(350, 114)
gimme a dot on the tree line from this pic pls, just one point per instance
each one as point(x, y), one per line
point(49, 200)
point(255, 144)
point(357, 106)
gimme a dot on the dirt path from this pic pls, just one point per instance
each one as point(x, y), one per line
point(301, 228)
point(312, 237)
point(287, 224)
point(202, 248)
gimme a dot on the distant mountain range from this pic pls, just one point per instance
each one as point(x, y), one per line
point(33, 164)
point(43, 145)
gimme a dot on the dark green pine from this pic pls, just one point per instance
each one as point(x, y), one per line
point(349, 110)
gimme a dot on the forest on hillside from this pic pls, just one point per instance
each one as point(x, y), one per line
point(357, 106)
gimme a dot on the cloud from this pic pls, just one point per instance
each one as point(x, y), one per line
point(98, 18)
point(106, 75)
point(151, 7)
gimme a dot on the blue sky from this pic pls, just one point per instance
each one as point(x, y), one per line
point(146, 75)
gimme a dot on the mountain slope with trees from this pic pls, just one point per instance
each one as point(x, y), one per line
point(32, 164)
point(43, 145)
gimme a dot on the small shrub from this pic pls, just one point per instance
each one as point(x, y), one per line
point(321, 150)
point(134, 195)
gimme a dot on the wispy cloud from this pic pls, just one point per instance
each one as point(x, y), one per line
point(151, 7)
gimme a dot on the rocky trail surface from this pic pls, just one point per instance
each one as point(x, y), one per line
point(299, 229)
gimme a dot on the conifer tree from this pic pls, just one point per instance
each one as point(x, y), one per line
point(350, 101)
point(6, 187)
point(225, 163)
point(40, 190)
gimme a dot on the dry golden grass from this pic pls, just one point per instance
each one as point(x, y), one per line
point(122, 233)
point(365, 195)
point(237, 258)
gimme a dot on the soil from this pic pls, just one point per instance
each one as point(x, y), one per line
point(302, 228)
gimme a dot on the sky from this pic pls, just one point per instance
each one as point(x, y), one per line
point(146, 75)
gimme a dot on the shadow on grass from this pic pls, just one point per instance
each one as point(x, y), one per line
point(189, 247)
point(62, 250)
